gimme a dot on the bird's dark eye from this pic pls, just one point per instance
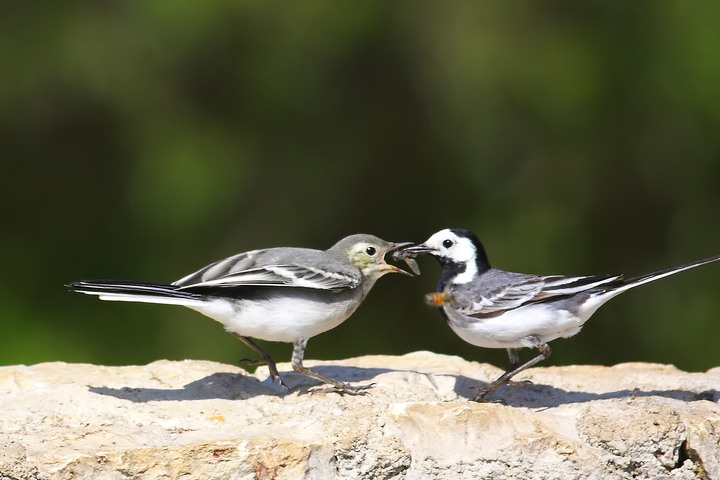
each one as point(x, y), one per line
point(448, 243)
point(370, 251)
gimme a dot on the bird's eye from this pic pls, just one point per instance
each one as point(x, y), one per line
point(448, 243)
point(370, 251)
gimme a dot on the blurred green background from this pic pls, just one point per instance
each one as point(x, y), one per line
point(143, 140)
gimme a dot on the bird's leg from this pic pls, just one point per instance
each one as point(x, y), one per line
point(338, 387)
point(264, 359)
point(514, 356)
point(545, 351)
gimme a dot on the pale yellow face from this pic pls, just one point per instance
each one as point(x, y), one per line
point(368, 258)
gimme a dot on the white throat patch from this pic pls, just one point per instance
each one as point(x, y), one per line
point(464, 252)
point(468, 275)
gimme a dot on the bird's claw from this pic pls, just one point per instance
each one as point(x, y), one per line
point(519, 383)
point(275, 377)
point(482, 391)
point(343, 389)
point(282, 384)
point(252, 361)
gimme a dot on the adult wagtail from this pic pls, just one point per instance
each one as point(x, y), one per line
point(493, 308)
point(275, 294)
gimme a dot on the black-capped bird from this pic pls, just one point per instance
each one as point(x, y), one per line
point(276, 294)
point(493, 308)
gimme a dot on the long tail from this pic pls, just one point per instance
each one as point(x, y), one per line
point(122, 291)
point(650, 277)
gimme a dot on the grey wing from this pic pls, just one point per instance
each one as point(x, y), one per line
point(221, 268)
point(249, 268)
point(492, 296)
point(501, 294)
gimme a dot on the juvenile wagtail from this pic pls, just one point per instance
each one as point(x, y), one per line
point(275, 294)
point(493, 308)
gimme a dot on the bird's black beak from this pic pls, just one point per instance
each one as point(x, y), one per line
point(412, 252)
point(396, 249)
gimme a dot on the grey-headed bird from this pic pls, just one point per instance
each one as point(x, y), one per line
point(276, 294)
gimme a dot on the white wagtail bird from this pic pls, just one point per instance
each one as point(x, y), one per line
point(275, 294)
point(493, 308)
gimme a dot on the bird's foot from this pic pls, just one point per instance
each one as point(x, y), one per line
point(274, 375)
point(252, 361)
point(344, 389)
point(483, 391)
point(276, 378)
point(519, 383)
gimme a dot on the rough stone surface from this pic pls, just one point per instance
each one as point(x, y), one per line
point(204, 420)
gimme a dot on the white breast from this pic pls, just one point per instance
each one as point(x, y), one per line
point(279, 320)
point(512, 328)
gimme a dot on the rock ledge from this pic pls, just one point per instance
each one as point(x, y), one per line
point(197, 419)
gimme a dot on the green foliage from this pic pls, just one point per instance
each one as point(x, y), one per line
point(143, 140)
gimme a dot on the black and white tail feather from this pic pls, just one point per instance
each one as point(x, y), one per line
point(657, 275)
point(126, 291)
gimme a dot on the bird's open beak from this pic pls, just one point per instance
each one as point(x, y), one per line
point(396, 250)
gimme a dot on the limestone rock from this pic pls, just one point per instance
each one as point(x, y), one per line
point(204, 420)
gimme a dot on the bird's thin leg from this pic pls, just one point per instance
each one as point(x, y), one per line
point(264, 359)
point(545, 351)
point(338, 387)
point(514, 356)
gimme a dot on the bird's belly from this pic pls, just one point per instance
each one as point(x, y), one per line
point(278, 320)
point(512, 328)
